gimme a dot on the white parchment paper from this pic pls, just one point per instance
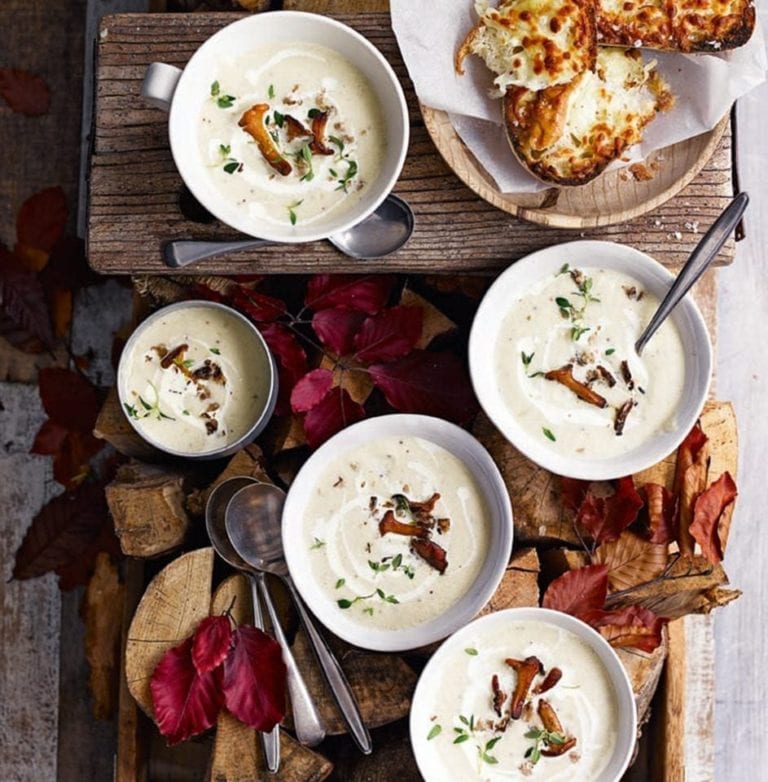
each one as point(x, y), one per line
point(429, 33)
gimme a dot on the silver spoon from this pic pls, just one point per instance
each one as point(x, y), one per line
point(704, 253)
point(387, 229)
point(253, 525)
point(307, 724)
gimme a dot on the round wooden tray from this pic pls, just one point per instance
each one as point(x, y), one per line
point(612, 198)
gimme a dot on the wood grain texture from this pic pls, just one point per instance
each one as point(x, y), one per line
point(134, 186)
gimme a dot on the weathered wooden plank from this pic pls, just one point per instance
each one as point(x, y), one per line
point(135, 187)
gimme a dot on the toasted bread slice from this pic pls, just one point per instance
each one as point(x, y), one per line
point(533, 43)
point(675, 25)
point(567, 134)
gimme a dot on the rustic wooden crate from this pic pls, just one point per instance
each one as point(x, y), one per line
point(134, 186)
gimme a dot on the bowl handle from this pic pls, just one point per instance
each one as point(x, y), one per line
point(159, 84)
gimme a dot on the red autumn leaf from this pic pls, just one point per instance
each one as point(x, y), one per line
point(79, 570)
point(634, 627)
point(25, 93)
point(67, 267)
point(254, 679)
point(49, 438)
point(69, 398)
point(707, 512)
point(389, 335)
point(291, 361)
point(200, 291)
point(572, 492)
point(331, 414)
point(310, 390)
point(211, 643)
point(61, 531)
point(661, 505)
point(605, 518)
point(71, 461)
point(41, 219)
point(336, 328)
point(367, 293)
point(258, 306)
point(691, 470)
point(22, 299)
point(579, 591)
point(185, 702)
point(430, 383)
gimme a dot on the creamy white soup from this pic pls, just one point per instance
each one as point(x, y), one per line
point(397, 531)
point(567, 369)
point(529, 701)
point(195, 380)
point(291, 133)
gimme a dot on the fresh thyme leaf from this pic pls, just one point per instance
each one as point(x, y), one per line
point(344, 603)
point(392, 599)
point(535, 756)
point(317, 544)
point(279, 119)
point(225, 149)
point(215, 350)
point(555, 738)
point(225, 101)
point(380, 593)
point(187, 363)
point(306, 153)
point(463, 719)
point(564, 269)
point(340, 583)
point(332, 172)
point(144, 403)
point(578, 331)
point(526, 357)
point(185, 412)
point(161, 414)
point(488, 758)
point(271, 91)
point(471, 651)
point(435, 731)
point(536, 374)
point(368, 611)
point(215, 88)
point(397, 561)
point(534, 733)
point(492, 743)
point(610, 351)
point(460, 739)
point(548, 434)
point(564, 304)
point(231, 167)
point(337, 142)
point(312, 113)
point(131, 410)
point(401, 503)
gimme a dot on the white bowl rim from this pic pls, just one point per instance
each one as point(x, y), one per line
point(626, 705)
point(178, 124)
point(442, 433)
point(256, 427)
point(593, 253)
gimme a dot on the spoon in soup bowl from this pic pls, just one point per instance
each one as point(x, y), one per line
point(703, 254)
point(253, 521)
point(383, 232)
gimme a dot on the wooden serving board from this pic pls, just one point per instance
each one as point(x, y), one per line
point(135, 190)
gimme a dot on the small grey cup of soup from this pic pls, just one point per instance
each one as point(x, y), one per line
point(196, 379)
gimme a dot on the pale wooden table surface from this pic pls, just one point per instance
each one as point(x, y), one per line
point(41, 695)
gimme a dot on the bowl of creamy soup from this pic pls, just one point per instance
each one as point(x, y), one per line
point(288, 126)
point(553, 363)
point(196, 379)
point(524, 694)
point(397, 531)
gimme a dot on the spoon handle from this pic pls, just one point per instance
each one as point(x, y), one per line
point(334, 675)
point(704, 253)
point(306, 721)
point(270, 742)
point(182, 252)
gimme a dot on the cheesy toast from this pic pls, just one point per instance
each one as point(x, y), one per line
point(675, 25)
point(567, 134)
point(532, 43)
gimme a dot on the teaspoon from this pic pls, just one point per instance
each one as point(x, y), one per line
point(253, 521)
point(704, 253)
point(387, 229)
point(307, 724)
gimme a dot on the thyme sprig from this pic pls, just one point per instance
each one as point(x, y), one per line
point(541, 736)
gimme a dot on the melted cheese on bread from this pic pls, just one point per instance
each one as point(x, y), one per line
point(532, 43)
point(567, 134)
point(677, 25)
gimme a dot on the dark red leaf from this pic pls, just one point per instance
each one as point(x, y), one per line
point(291, 361)
point(69, 399)
point(61, 531)
point(579, 591)
point(211, 643)
point(707, 512)
point(67, 267)
point(26, 93)
point(336, 328)
point(23, 301)
point(691, 471)
point(335, 410)
point(49, 439)
point(367, 293)
point(71, 462)
point(258, 306)
point(430, 383)
point(605, 518)
point(634, 627)
point(389, 335)
point(572, 492)
point(79, 570)
point(310, 390)
point(200, 291)
point(661, 505)
point(41, 219)
point(185, 702)
point(254, 679)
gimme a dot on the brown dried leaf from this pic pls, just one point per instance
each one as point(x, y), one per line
point(630, 560)
point(691, 470)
